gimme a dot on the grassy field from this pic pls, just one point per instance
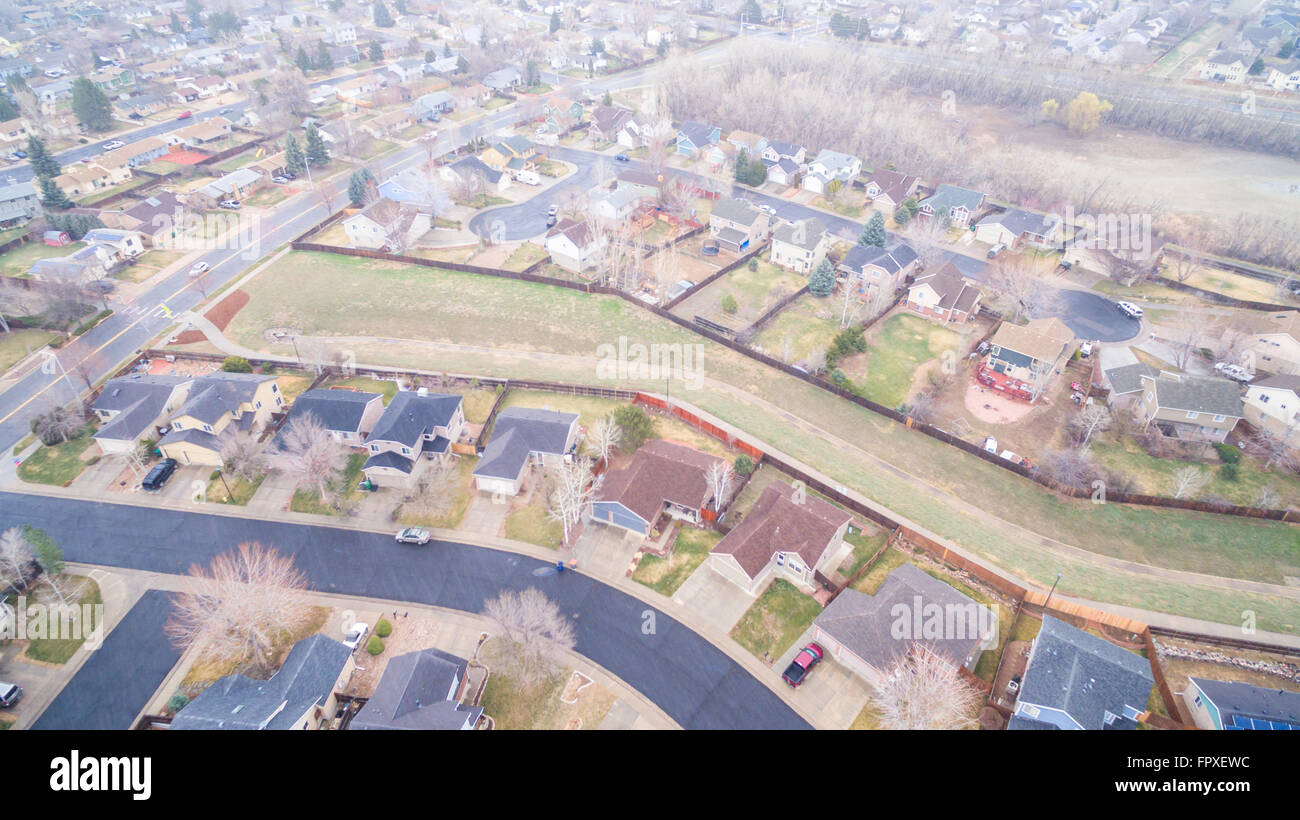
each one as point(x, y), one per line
point(17, 261)
point(531, 525)
point(60, 650)
point(809, 322)
point(773, 623)
point(1156, 475)
point(948, 492)
point(58, 464)
point(385, 387)
point(898, 349)
point(513, 707)
point(17, 344)
point(666, 575)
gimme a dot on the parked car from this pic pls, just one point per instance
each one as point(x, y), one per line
point(623, 158)
point(159, 474)
point(413, 535)
point(10, 693)
point(552, 215)
point(1085, 350)
point(991, 444)
point(229, 204)
point(113, 145)
point(281, 180)
point(135, 115)
point(19, 155)
point(797, 672)
point(356, 634)
point(996, 249)
point(185, 115)
point(198, 268)
point(1129, 309)
point(1234, 371)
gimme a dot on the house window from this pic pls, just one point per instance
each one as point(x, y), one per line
point(176, 425)
point(258, 405)
point(1191, 414)
point(406, 451)
point(796, 567)
point(1220, 417)
point(207, 428)
point(780, 559)
point(1263, 399)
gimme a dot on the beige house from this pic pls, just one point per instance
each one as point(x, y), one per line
point(787, 534)
point(800, 246)
point(1193, 407)
point(944, 294)
point(1273, 404)
point(133, 408)
point(86, 178)
point(575, 246)
point(216, 403)
point(738, 224)
point(1023, 358)
point(386, 224)
point(1275, 344)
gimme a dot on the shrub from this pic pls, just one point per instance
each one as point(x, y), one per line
point(1230, 471)
point(753, 264)
point(177, 702)
point(236, 364)
point(743, 465)
point(636, 426)
point(384, 628)
point(375, 645)
point(729, 303)
point(214, 475)
point(1227, 453)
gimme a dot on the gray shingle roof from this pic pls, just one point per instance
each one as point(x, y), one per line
point(1235, 699)
point(1128, 379)
point(813, 230)
point(236, 702)
point(390, 460)
point(1201, 394)
point(892, 259)
point(413, 694)
point(1017, 221)
point(339, 410)
point(138, 402)
point(1084, 676)
point(519, 431)
point(216, 394)
point(736, 209)
point(409, 417)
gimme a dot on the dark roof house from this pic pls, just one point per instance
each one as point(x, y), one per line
point(421, 691)
point(518, 434)
point(662, 475)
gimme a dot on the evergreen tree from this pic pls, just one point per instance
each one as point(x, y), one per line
point(742, 166)
point(751, 12)
point(608, 99)
point(757, 173)
point(913, 207)
point(400, 5)
point(446, 49)
point(43, 165)
point(874, 232)
point(430, 56)
point(293, 156)
point(324, 61)
point(822, 281)
point(91, 105)
point(16, 83)
point(1287, 49)
point(52, 196)
point(902, 216)
point(555, 21)
point(376, 52)
point(462, 65)
point(381, 16)
point(318, 153)
point(8, 111)
point(358, 184)
point(176, 25)
point(1257, 67)
point(303, 61)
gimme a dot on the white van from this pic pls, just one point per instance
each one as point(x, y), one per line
point(528, 177)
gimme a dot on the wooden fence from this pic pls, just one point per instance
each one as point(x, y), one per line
point(715, 276)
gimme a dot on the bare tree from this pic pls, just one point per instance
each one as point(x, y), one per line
point(15, 560)
point(241, 607)
point(309, 452)
point(1276, 449)
point(241, 454)
point(603, 437)
point(60, 424)
point(1186, 263)
point(719, 476)
point(922, 690)
point(535, 635)
point(1092, 418)
point(573, 488)
point(1185, 341)
point(1019, 283)
point(1070, 468)
point(1188, 482)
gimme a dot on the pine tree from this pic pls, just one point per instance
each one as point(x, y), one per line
point(902, 216)
point(381, 16)
point(874, 232)
point(318, 153)
point(324, 61)
point(52, 196)
point(555, 21)
point(822, 281)
point(91, 105)
point(358, 183)
point(293, 156)
point(446, 49)
point(462, 65)
point(303, 61)
point(8, 111)
point(430, 56)
point(43, 165)
point(742, 167)
point(376, 52)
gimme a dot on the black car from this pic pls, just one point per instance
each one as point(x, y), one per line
point(159, 474)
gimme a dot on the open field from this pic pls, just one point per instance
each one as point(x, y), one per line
point(998, 516)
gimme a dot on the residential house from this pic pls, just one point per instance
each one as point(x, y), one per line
point(785, 536)
point(14, 133)
point(693, 138)
point(1022, 358)
point(610, 123)
point(944, 294)
point(959, 205)
point(890, 189)
point(911, 611)
point(471, 95)
point(830, 167)
point(1125, 380)
point(236, 185)
point(474, 176)
point(1273, 404)
point(1227, 66)
point(663, 478)
point(133, 408)
point(19, 202)
point(120, 245)
point(776, 150)
point(432, 105)
point(156, 218)
point(302, 694)
point(644, 183)
point(1275, 343)
point(1233, 705)
point(218, 402)
point(85, 178)
point(84, 265)
point(200, 133)
point(504, 79)
point(1015, 227)
point(419, 691)
point(1284, 76)
point(389, 123)
point(752, 144)
point(1186, 406)
point(574, 245)
point(348, 415)
point(510, 155)
point(386, 225)
point(800, 246)
point(416, 426)
point(135, 154)
point(614, 206)
point(875, 269)
point(561, 114)
point(1075, 680)
point(524, 438)
point(738, 224)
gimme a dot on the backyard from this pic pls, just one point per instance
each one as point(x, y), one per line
point(807, 324)
point(897, 349)
point(749, 294)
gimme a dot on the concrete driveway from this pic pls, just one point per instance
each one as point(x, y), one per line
point(714, 598)
point(38, 683)
point(831, 688)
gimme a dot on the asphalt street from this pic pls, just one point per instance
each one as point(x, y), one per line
point(694, 682)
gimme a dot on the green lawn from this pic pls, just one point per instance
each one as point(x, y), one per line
point(58, 464)
point(387, 387)
point(773, 623)
point(60, 650)
point(809, 322)
point(666, 575)
point(532, 525)
point(865, 545)
point(18, 261)
point(524, 255)
point(347, 296)
point(903, 343)
point(755, 293)
point(309, 501)
point(241, 490)
point(454, 497)
point(17, 344)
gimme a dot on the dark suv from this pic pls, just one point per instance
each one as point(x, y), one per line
point(159, 474)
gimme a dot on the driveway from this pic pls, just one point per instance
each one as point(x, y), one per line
point(714, 598)
point(118, 679)
point(693, 681)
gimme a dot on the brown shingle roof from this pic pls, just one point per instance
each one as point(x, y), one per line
point(660, 471)
point(777, 523)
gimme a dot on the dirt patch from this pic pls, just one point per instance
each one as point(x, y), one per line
point(410, 634)
point(577, 682)
point(991, 407)
point(220, 315)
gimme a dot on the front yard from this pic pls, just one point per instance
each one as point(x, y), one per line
point(241, 490)
point(666, 575)
point(19, 343)
point(58, 464)
point(776, 620)
point(309, 500)
point(532, 525)
point(60, 650)
point(513, 707)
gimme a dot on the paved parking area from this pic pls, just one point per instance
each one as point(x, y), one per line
point(831, 688)
point(117, 680)
point(714, 598)
point(33, 678)
point(605, 551)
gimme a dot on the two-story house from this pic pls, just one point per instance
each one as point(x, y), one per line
point(830, 167)
point(890, 189)
point(1023, 358)
point(954, 204)
point(133, 408)
point(738, 224)
point(1181, 405)
point(218, 402)
point(415, 427)
point(1014, 228)
point(800, 246)
point(1273, 404)
point(576, 246)
point(874, 269)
